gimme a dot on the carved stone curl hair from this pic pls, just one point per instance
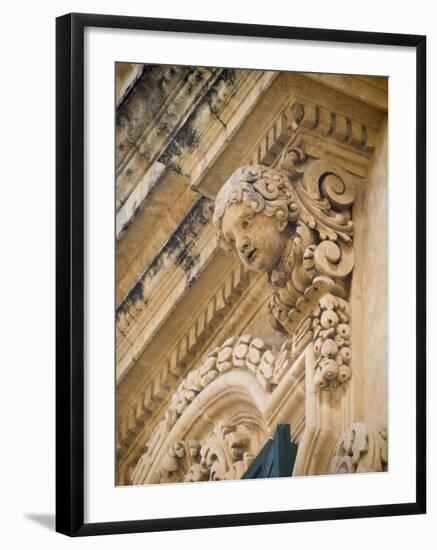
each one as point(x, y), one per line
point(261, 188)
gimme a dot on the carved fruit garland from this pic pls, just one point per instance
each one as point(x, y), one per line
point(332, 334)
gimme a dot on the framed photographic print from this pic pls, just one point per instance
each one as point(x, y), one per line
point(240, 274)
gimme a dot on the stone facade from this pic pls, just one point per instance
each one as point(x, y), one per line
point(251, 271)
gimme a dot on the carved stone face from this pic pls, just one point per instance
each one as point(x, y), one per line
point(257, 238)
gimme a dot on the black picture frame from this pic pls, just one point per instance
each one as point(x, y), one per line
point(70, 272)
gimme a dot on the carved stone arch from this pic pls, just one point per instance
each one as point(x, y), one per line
point(225, 425)
point(224, 411)
point(227, 415)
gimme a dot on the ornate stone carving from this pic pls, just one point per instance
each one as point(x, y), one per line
point(361, 448)
point(183, 463)
point(159, 386)
point(332, 345)
point(293, 223)
point(244, 352)
point(230, 450)
point(303, 117)
point(306, 250)
point(324, 123)
point(226, 454)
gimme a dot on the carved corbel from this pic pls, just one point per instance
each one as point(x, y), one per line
point(361, 448)
point(306, 207)
point(183, 463)
point(320, 256)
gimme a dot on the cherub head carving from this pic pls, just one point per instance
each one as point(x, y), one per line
point(252, 215)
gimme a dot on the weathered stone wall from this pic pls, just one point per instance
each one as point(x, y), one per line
point(374, 287)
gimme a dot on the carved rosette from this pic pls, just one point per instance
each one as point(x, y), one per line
point(332, 345)
point(361, 448)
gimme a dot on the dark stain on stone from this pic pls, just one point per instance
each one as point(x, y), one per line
point(145, 99)
point(217, 95)
point(127, 224)
point(186, 260)
point(185, 138)
point(190, 281)
point(179, 246)
point(229, 76)
point(154, 267)
point(136, 293)
point(190, 76)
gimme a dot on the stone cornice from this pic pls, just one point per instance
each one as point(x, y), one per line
point(166, 183)
point(126, 75)
point(266, 131)
point(370, 90)
point(177, 146)
point(173, 271)
point(149, 231)
point(322, 132)
point(158, 105)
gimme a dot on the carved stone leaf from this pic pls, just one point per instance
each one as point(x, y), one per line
point(361, 448)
